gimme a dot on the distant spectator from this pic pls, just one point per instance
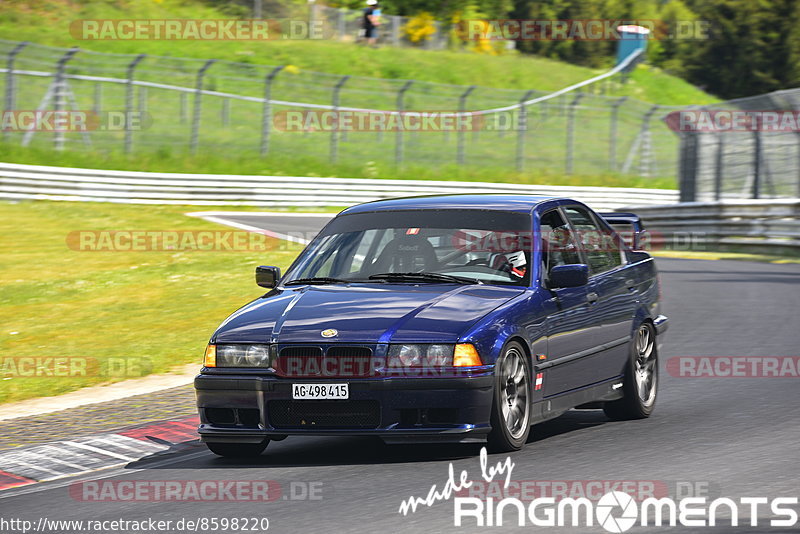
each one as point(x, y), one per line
point(371, 22)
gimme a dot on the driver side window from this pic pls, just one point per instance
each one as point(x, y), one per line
point(601, 250)
point(556, 243)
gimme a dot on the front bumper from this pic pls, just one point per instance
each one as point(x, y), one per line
point(243, 409)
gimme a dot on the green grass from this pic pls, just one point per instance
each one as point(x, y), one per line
point(155, 308)
point(47, 22)
point(286, 165)
point(232, 146)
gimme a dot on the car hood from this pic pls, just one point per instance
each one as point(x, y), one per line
point(367, 313)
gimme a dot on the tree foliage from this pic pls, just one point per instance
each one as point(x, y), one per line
point(751, 46)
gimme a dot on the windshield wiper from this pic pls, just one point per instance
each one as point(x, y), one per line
point(425, 277)
point(317, 280)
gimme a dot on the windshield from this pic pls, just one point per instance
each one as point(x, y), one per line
point(469, 246)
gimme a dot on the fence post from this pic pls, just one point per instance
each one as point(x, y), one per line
point(266, 117)
point(129, 101)
point(571, 131)
point(522, 129)
point(688, 166)
point(756, 193)
point(10, 87)
point(257, 9)
point(58, 137)
point(462, 104)
point(718, 166)
point(334, 156)
point(198, 105)
point(612, 134)
point(398, 150)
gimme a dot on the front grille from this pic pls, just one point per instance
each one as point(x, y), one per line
point(337, 362)
point(301, 352)
point(349, 352)
point(324, 414)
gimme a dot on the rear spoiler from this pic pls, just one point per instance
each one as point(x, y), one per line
point(623, 218)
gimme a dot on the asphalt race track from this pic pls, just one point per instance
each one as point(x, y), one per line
point(729, 437)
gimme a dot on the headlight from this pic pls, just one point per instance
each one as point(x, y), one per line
point(418, 355)
point(439, 355)
point(240, 356)
point(406, 355)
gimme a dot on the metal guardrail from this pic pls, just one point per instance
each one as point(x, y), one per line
point(761, 225)
point(765, 226)
point(59, 183)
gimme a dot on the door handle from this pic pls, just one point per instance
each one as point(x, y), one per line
point(630, 284)
point(592, 297)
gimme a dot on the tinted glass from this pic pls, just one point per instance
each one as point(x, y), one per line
point(600, 246)
point(558, 242)
point(491, 246)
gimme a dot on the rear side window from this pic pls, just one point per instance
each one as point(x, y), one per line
point(599, 246)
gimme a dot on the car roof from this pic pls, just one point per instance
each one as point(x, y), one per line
point(485, 201)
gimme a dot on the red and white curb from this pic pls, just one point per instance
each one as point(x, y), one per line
point(41, 463)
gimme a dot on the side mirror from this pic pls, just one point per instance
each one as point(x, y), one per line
point(574, 275)
point(267, 276)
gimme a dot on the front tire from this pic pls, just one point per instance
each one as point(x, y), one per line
point(511, 408)
point(640, 385)
point(238, 450)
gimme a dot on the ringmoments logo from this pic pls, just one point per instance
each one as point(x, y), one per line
point(615, 511)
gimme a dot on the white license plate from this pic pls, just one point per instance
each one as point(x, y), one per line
point(320, 391)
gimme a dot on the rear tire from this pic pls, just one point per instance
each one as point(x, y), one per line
point(238, 450)
point(640, 385)
point(511, 408)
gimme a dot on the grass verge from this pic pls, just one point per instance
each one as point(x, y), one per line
point(215, 162)
point(116, 315)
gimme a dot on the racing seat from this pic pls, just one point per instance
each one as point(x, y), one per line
point(404, 254)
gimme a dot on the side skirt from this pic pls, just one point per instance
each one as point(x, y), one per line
point(585, 397)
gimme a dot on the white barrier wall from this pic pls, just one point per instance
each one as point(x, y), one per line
point(58, 183)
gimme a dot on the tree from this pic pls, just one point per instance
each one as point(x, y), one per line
point(753, 47)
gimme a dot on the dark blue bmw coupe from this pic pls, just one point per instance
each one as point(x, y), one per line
point(459, 318)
